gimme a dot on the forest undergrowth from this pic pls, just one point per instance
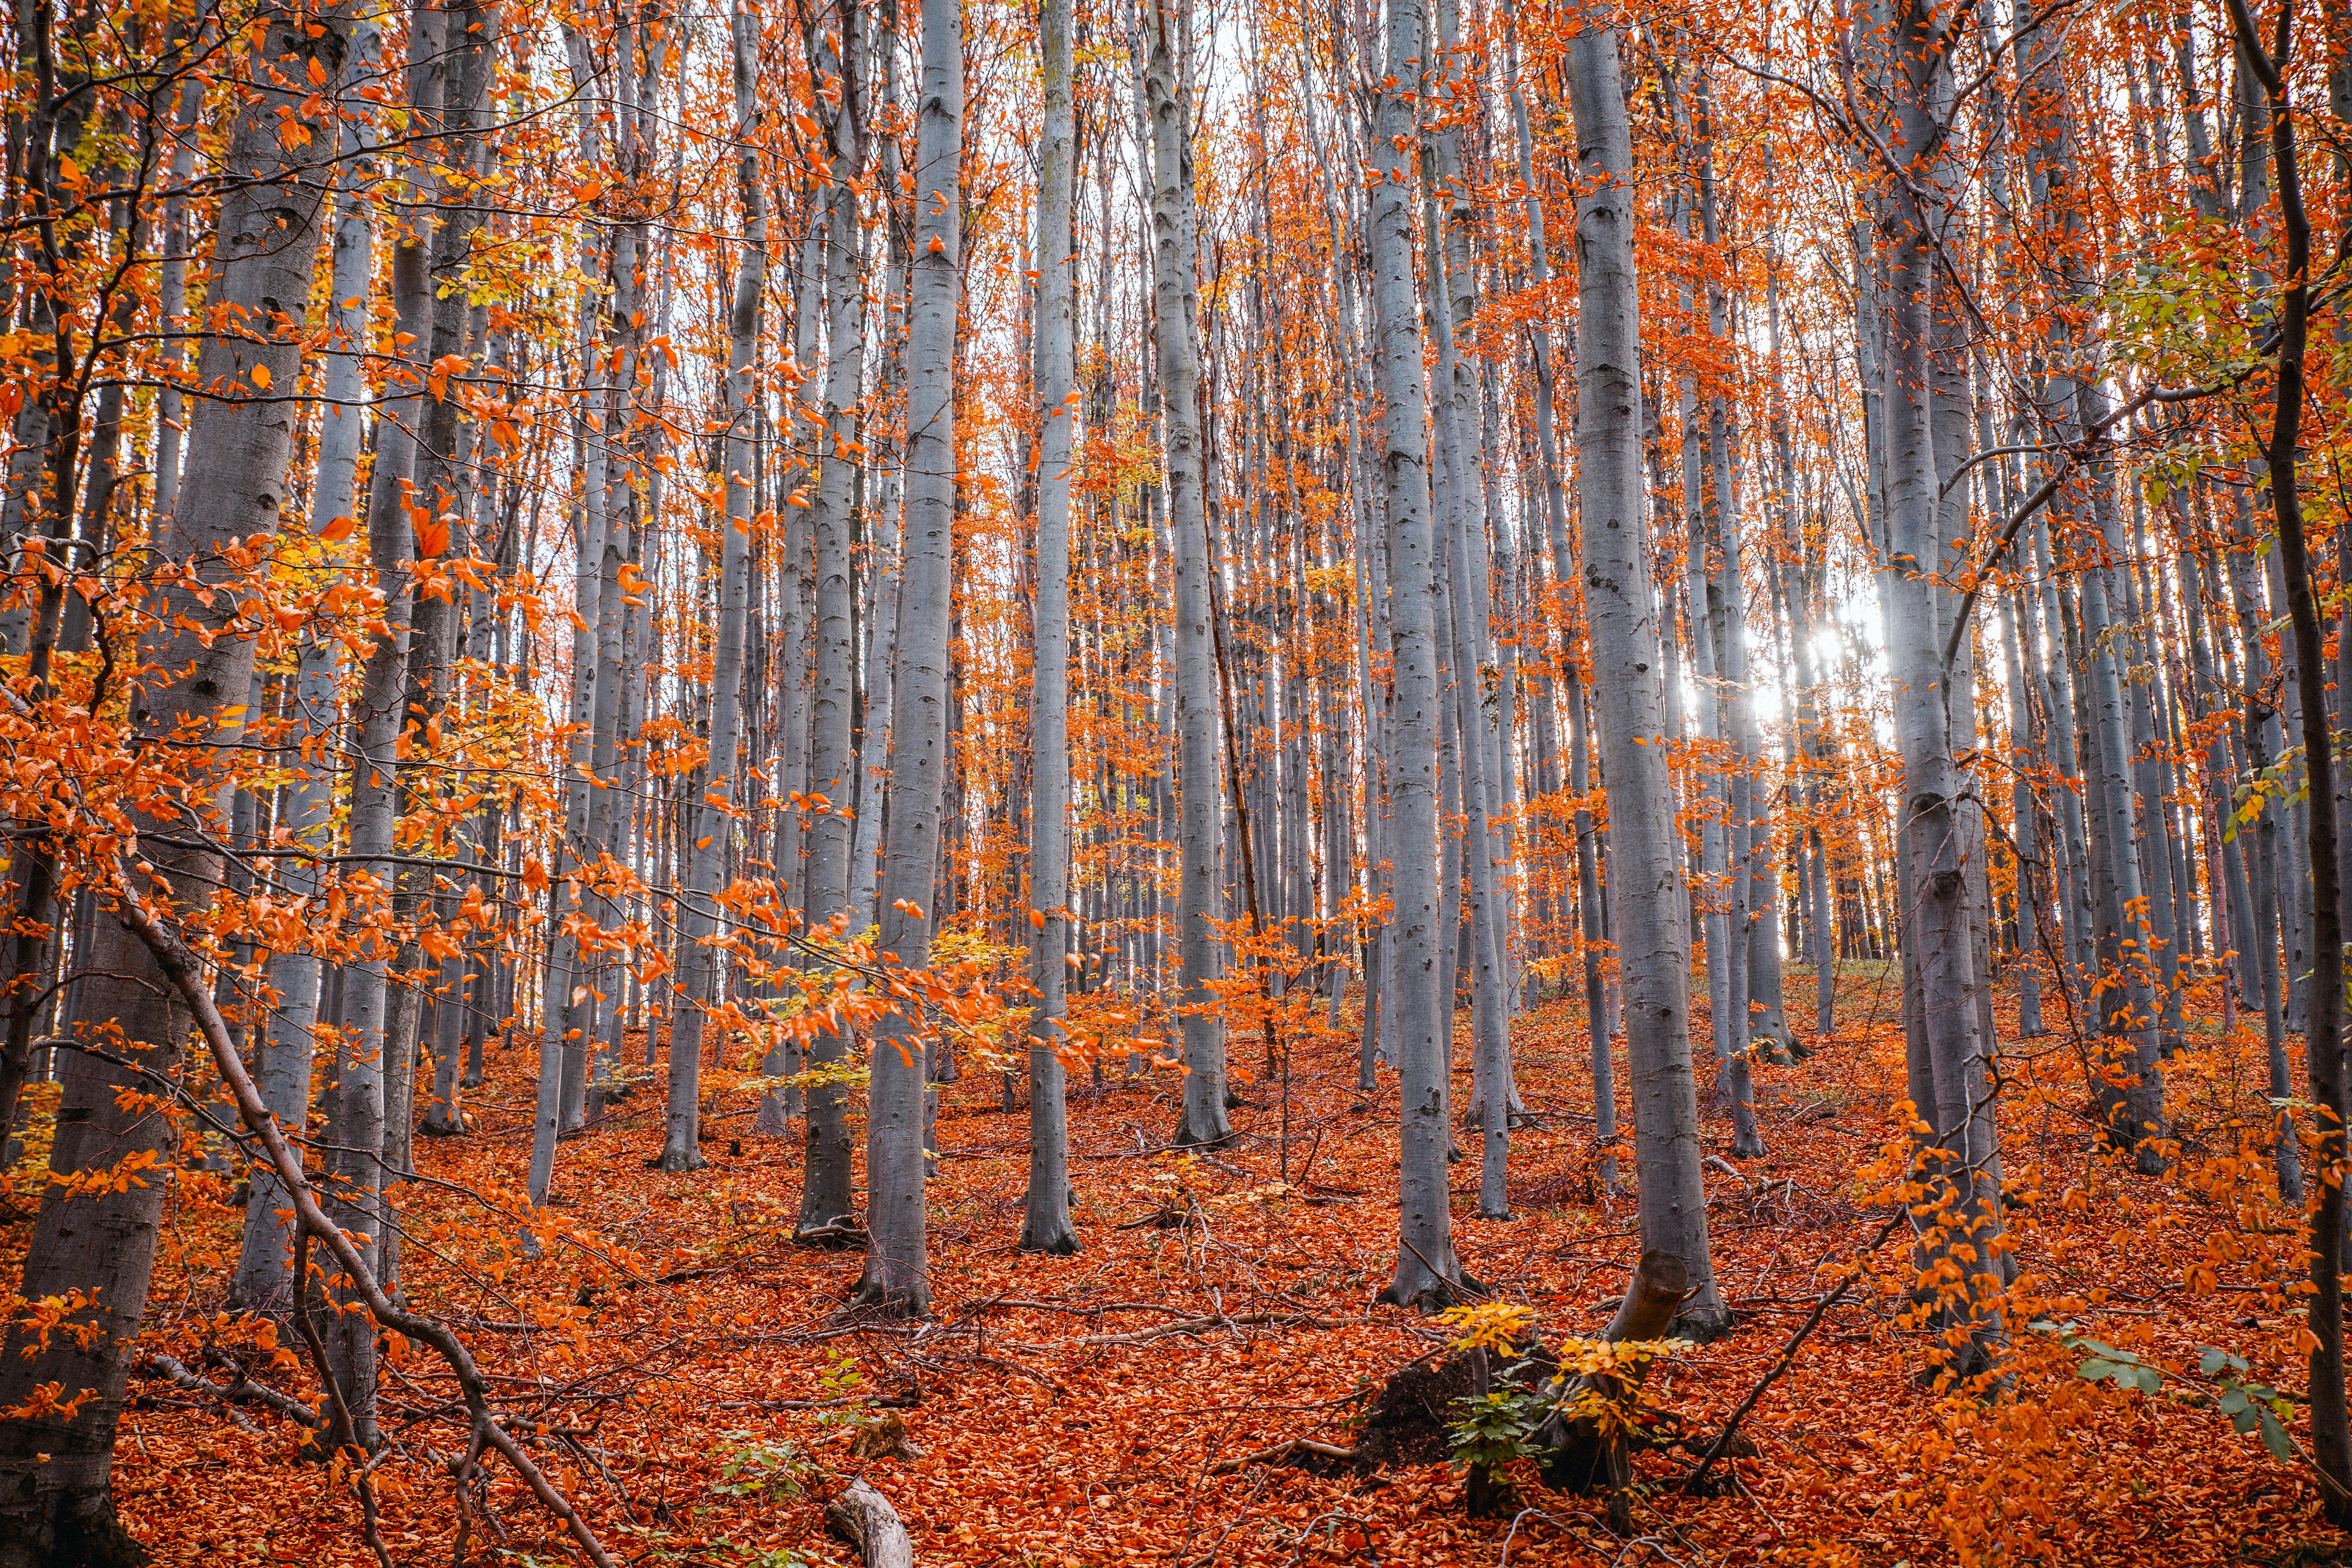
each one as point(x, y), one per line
point(699, 1392)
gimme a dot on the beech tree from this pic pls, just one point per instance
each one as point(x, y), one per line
point(1317, 581)
point(96, 1251)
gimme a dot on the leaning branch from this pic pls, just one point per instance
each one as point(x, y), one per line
point(178, 963)
point(1722, 1443)
point(2074, 452)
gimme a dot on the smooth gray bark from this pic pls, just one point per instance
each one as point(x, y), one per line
point(1464, 636)
point(1418, 998)
point(714, 813)
point(362, 1092)
point(897, 1264)
point(1045, 1222)
point(1644, 862)
point(1175, 258)
point(826, 1192)
point(283, 1070)
point(560, 982)
point(1958, 1164)
point(56, 1472)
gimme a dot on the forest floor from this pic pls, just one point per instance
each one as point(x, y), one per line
point(696, 1395)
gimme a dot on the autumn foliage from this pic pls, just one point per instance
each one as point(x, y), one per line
point(1112, 761)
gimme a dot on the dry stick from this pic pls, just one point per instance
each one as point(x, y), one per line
point(345, 1431)
point(1281, 1450)
point(2076, 452)
point(464, 1480)
point(243, 1391)
point(1788, 1354)
point(2093, 437)
point(179, 966)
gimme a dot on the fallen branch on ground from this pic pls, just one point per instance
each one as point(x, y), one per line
point(243, 1390)
point(1282, 1450)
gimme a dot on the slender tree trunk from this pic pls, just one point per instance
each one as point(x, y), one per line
point(57, 1501)
point(2331, 1431)
point(1938, 926)
point(283, 1072)
point(1654, 955)
point(896, 1278)
point(714, 821)
point(827, 1191)
point(1199, 904)
point(1421, 999)
point(882, 625)
point(362, 1091)
point(1045, 1224)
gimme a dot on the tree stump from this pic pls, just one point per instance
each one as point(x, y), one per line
point(1581, 1458)
point(864, 1518)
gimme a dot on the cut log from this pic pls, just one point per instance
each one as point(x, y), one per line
point(864, 1518)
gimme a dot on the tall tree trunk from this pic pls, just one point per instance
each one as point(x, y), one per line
point(358, 1099)
point(1045, 1224)
point(897, 1264)
point(57, 1502)
point(715, 818)
point(1489, 1012)
point(880, 653)
point(826, 1192)
point(1563, 570)
point(1654, 955)
point(1938, 927)
point(1175, 258)
point(1421, 999)
point(2331, 1431)
point(283, 1072)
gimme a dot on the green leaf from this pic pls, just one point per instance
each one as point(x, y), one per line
point(2094, 1369)
point(2148, 1378)
point(2245, 1421)
point(2275, 1437)
point(2233, 1400)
